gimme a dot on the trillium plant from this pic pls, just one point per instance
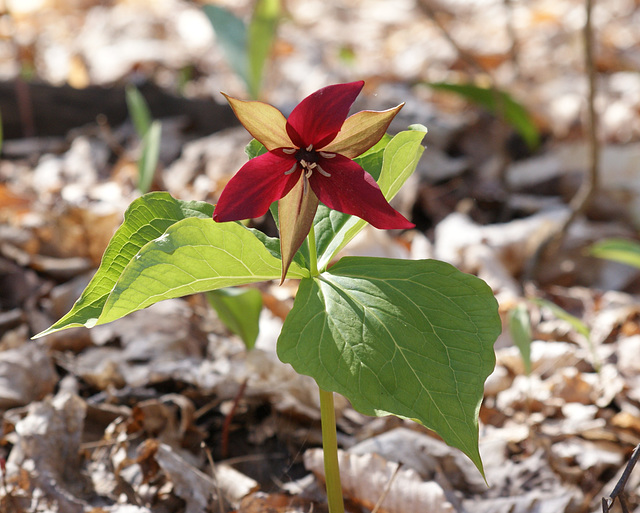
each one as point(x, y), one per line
point(413, 338)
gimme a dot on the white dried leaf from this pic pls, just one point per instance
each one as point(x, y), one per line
point(366, 476)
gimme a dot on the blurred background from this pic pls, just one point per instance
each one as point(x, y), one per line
point(530, 179)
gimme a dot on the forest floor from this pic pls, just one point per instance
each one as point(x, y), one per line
point(127, 417)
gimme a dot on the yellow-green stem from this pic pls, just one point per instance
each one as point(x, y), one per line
point(330, 451)
point(313, 257)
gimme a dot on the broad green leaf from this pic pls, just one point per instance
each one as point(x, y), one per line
point(150, 154)
point(146, 219)
point(193, 255)
point(231, 33)
point(400, 158)
point(138, 110)
point(261, 33)
point(499, 103)
point(520, 330)
point(409, 338)
point(618, 250)
point(239, 309)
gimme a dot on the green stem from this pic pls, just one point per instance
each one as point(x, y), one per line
point(311, 239)
point(330, 452)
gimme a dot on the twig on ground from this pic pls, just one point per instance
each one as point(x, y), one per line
point(589, 186)
point(224, 437)
point(386, 490)
point(607, 502)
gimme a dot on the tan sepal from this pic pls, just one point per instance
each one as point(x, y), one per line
point(295, 215)
point(361, 131)
point(264, 122)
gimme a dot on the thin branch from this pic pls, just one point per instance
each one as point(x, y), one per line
point(589, 185)
point(607, 502)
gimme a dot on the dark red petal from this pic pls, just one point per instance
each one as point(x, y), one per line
point(318, 118)
point(257, 184)
point(350, 189)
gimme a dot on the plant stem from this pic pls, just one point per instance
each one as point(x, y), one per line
point(330, 452)
point(311, 239)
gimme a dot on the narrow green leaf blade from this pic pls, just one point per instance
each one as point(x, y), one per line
point(150, 155)
point(193, 255)
point(231, 33)
point(499, 103)
point(261, 34)
point(239, 309)
point(138, 110)
point(561, 313)
point(410, 338)
point(618, 250)
point(146, 219)
point(400, 157)
point(520, 330)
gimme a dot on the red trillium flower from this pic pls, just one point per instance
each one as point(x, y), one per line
point(309, 159)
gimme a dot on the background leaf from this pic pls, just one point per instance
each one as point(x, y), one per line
point(500, 104)
point(231, 33)
point(148, 162)
point(138, 110)
point(146, 219)
point(520, 330)
point(261, 33)
point(411, 338)
point(400, 157)
point(239, 309)
point(618, 250)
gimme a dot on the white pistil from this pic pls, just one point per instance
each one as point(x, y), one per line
point(310, 147)
point(292, 169)
point(326, 155)
point(289, 151)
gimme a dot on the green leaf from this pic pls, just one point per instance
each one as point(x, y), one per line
point(399, 160)
point(239, 309)
point(499, 103)
point(409, 338)
point(148, 162)
point(231, 33)
point(138, 110)
point(561, 313)
point(520, 330)
point(261, 33)
point(618, 250)
point(146, 219)
point(576, 324)
point(193, 255)
point(254, 149)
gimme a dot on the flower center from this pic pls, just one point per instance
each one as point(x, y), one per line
point(308, 160)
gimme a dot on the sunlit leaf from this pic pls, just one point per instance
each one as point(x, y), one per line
point(146, 219)
point(618, 250)
point(399, 160)
point(193, 255)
